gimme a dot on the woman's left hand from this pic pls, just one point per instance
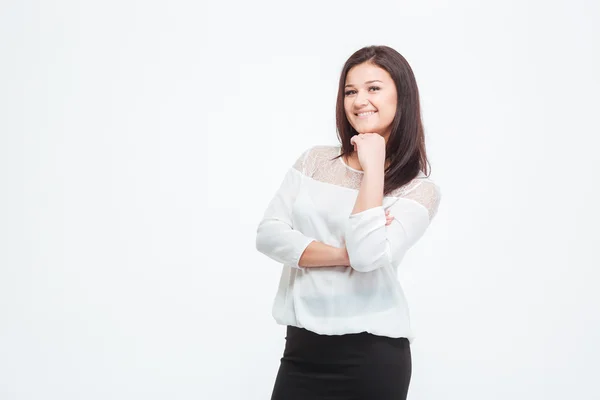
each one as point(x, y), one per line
point(388, 217)
point(371, 150)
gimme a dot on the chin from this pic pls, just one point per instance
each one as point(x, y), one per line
point(367, 129)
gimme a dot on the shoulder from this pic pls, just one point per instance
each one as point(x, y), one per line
point(323, 150)
point(422, 190)
point(314, 156)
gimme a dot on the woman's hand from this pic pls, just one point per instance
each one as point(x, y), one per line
point(371, 150)
point(388, 218)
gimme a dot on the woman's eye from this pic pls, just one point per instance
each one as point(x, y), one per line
point(349, 92)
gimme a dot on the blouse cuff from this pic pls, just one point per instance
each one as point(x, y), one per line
point(301, 246)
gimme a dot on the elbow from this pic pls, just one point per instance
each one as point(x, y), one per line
point(259, 244)
point(364, 267)
point(364, 259)
point(366, 262)
point(264, 243)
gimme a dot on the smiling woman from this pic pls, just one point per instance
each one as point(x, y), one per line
point(341, 228)
point(370, 106)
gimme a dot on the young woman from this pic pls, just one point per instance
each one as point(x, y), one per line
point(340, 224)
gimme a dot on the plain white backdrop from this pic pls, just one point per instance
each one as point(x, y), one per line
point(140, 142)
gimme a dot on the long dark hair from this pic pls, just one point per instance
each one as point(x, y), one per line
point(405, 149)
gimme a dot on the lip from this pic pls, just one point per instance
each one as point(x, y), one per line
point(365, 116)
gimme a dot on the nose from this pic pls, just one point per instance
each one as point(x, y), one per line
point(361, 99)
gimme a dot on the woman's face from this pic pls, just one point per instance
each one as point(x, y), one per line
point(370, 99)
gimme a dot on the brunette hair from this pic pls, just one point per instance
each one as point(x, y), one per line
point(405, 149)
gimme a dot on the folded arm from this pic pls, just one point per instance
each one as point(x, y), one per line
point(372, 245)
point(277, 238)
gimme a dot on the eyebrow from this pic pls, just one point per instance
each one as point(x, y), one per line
point(366, 83)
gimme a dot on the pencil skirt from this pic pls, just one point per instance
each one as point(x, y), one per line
point(356, 366)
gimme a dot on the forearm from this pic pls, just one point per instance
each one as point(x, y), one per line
point(319, 254)
point(370, 193)
point(364, 223)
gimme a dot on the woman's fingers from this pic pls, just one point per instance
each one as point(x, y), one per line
point(388, 218)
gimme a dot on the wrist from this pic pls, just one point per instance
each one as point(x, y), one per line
point(342, 256)
point(374, 167)
point(375, 170)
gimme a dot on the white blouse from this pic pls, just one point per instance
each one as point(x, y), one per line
point(315, 202)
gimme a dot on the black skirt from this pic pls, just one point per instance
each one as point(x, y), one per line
point(350, 367)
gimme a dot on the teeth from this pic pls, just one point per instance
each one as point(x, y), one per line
point(367, 113)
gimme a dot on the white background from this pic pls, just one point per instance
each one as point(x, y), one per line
point(140, 142)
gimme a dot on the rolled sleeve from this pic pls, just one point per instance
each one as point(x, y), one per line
point(275, 235)
point(371, 244)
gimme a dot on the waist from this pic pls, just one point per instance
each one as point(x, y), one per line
point(353, 348)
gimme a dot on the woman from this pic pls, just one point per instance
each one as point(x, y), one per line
point(340, 224)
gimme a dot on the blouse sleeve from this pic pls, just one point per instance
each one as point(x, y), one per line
point(372, 245)
point(276, 236)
